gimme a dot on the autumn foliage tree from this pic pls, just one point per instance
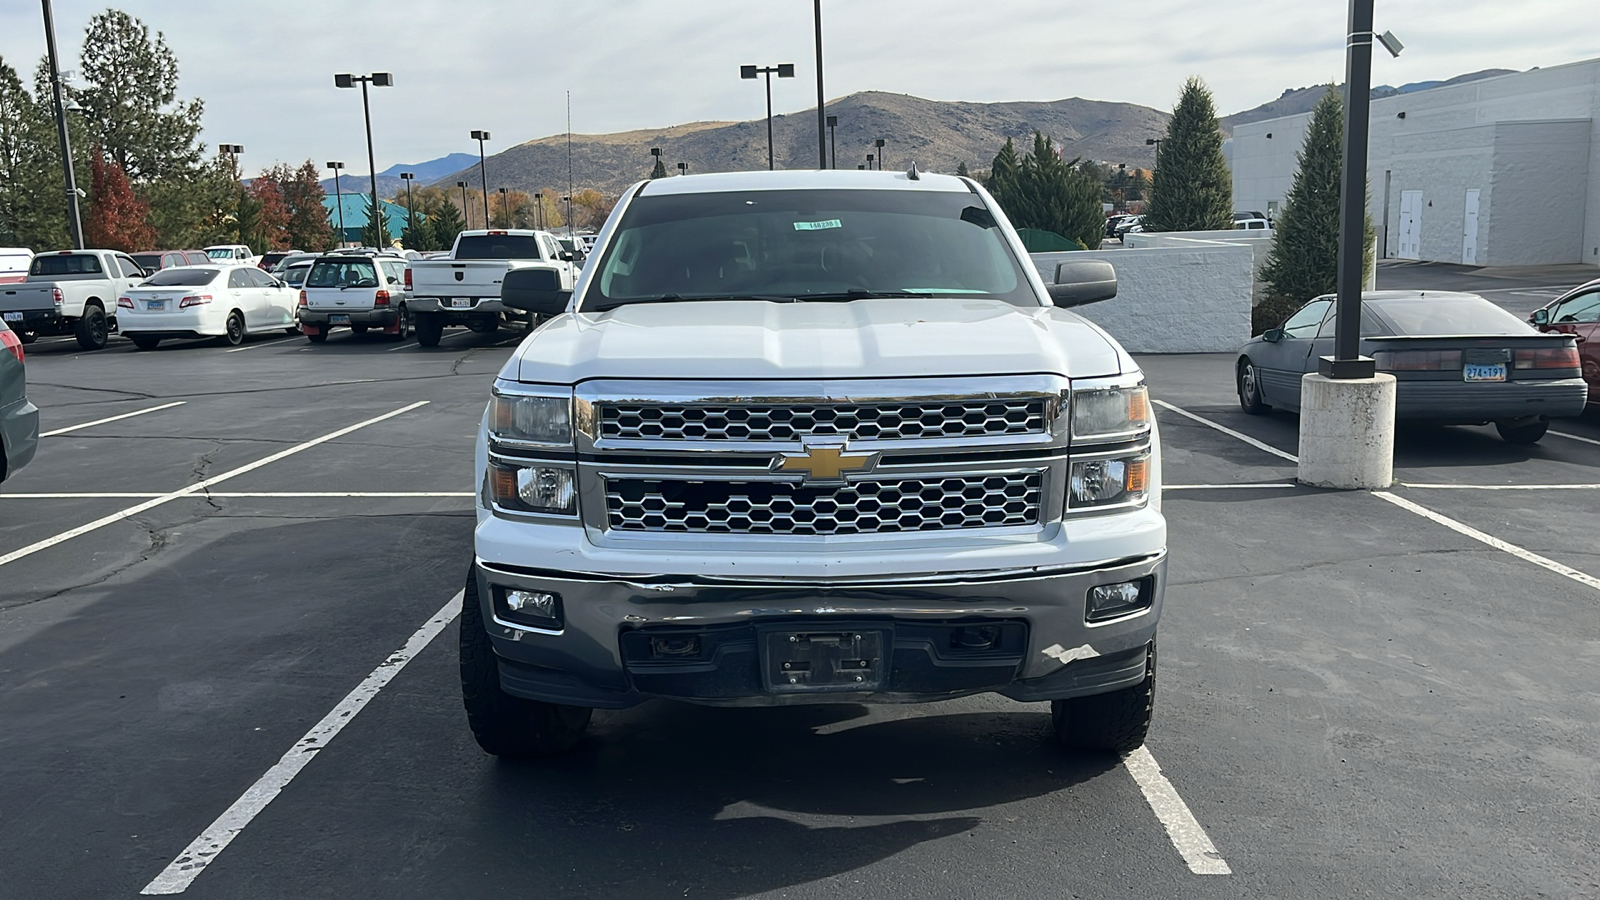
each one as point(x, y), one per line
point(117, 219)
point(271, 215)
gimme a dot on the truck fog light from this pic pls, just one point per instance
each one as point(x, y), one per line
point(536, 603)
point(1108, 601)
point(536, 609)
point(541, 489)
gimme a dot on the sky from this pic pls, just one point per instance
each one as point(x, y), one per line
point(265, 70)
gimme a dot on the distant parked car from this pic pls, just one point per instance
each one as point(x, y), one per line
point(14, 263)
point(225, 302)
point(294, 274)
point(156, 260)
point(19, 419)
point(1577, 312)
point(1248, 214)
point(1130, 225)
point(1112, 221)
point(1260, 224)
point(225, 254)
point(270, 260)
point(1458, 360)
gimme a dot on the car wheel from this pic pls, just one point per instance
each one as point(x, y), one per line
point(1529, 433)
point(233, 332)
point(92, 329)
point(502, 724)
point(144, 342)
point(1249, 383)
point(404, 329)
point(484, 325)
point(430, 330)
point(1114, 722)
point(320, 336)
point(294, 330)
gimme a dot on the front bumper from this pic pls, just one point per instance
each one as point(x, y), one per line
point(600, 655)
point(19, 430)
point(384, 317)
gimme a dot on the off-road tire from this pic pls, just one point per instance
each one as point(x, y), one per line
point(430, 330)
point(92, 330)
point(233, 331)
point(144, 342)
point(1248, 380)
point(1522, 434)
point(1114, 722)
point(504, 725)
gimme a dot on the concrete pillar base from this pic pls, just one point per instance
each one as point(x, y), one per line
point(1347, 432)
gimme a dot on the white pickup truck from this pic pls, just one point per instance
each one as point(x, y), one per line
point(464, 288)
point(813, 437)
point(232, 254)
point(70, 292)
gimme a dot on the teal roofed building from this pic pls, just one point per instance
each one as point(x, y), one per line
point(355, 216)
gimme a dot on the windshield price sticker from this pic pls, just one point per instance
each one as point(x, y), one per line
point(818, 226)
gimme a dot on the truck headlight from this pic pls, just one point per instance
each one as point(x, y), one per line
point(1105, 412)
point(1109, 481)
point(533, 489)
point(523, 419)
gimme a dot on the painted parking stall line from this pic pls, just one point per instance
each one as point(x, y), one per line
point(1183, 829)
point(138, 412)
point(199, 486)
point(262, 344)
point(1582, 578)
point(1259, 445)
point(203, 850)
point(1574, 437)
point(361, 495)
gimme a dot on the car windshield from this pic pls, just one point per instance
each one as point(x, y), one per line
point(497, 246)
point(220, 253)
point(74, 264)
point(339, 273)
point(180, 277)
point(1449, 315)
point(295, 276)
point(806, 245)
point(148, 260)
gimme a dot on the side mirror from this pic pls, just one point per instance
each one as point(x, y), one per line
point(536, 291)
point(1083, 281)
point(570, 256)
point(1541, 317)
point(1272, 335)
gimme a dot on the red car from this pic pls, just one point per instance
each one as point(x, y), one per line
point(1577, 312)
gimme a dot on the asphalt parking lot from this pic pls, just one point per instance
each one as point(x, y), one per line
point(227, 668)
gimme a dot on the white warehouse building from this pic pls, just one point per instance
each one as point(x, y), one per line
point(1504, 171)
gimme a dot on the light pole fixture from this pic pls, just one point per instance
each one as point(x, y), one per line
point(879, 144)
point(656, 152)
point(231, 153)
point(783, 70)
point(833, 148)
point(74, 219)
point(376, 79)
point(538, 207)
point(483, 172)
point(505, 206)
point(870, 158)
point(1154, 142)
point(683, 168)
point(411, 210)
point(466, 211)
point(822, 146)
point(338, 196)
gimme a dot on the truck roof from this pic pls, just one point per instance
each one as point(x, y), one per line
point(793, 180)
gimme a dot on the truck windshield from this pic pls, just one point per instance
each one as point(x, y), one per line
point(497, 246)
point(181, 277)
point(806, 245)
point(76, 264)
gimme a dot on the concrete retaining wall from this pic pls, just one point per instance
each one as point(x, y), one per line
point(1259, 242)
point(1174, 299)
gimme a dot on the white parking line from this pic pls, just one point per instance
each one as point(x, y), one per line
point(262, 344)
point(227, 494)
point(1223, 487)
point(1183, 829)
point(1227, 431)
point(406, 345)
point(1500, 487)
point(1582, 578)
point(138, 412)
point(1575, 437)
point(197, 487)
point(182, 871)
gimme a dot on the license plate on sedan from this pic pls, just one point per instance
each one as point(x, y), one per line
point(846, 659)
point(12, 317)
point(155, 304)
point(338, 320)
point(1495, 372)
point(460, 302)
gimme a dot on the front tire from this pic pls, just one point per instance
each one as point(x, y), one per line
point(1522, 434)
point(504, 725)
point(430, 330)
point(144, 342)
point(92, 329)
point(1249, 384)
point(1114, 722)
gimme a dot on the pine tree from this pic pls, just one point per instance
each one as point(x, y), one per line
point(660, 169)
point(1304, 261)
point(1059, 197)
point(1004, 179)
point(116, 219)
point(961, 169)
point(445, 219)
point(419, 233)
point(32, 208)
point(129, 99)
point(375, 233)
point(1192, 189)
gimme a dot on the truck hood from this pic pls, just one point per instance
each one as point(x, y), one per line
point(885, 338)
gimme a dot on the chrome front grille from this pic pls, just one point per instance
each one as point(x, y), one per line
point(870, 421)
point(879, 506)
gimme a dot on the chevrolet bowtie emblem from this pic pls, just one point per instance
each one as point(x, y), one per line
point(825, 463)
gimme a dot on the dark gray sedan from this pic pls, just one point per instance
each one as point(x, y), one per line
point(1457, 358)
point(19, 419)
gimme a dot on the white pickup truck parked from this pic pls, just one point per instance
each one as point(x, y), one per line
point(813, 437)
point(70, 292)
point(464, 288)
point(232, 254)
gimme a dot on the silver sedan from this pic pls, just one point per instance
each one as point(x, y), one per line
point(19, 419)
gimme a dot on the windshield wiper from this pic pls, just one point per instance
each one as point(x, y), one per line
point(833, 297)
point(857, 294)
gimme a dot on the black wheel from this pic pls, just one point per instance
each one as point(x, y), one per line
point(484, 325)
point(1249, 384)
point(92, 329)
point(505, 725)
point(1114, 722)
point(531, 324)
point(27, 337)
point(1528, 433)
point(430, 330)
point(294, 330)
point(404, 331)
point(233, 332)
point(320, 336)
point(358, 329)
point(144, 341)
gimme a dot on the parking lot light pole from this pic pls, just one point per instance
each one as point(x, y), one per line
point(822, 145)
point(783, 70)
point(483, 172)
point(58, 100)
point(411, 211)
point(833, 148)
point(338, 197)
point(683, 168)
point(879, 144)
point(870, 158)
point(376, 79)
point(466, 211)
point(505, 206)
point(538, 207)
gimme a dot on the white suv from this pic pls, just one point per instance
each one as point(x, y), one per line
point(355, 291)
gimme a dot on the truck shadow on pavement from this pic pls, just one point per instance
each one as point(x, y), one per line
point(673, 800)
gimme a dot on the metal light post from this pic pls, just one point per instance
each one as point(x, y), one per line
point(879, 144)
point(538, 201)
point(483, 172)
point(338, 196)
point(411, 209)
point(74, 219)
point(466, 211)
point(870, 158)
point(833, 148)
point(505, 206)
point(783, 70)
point(683, 168)
point(376, 79)
point(822, 146)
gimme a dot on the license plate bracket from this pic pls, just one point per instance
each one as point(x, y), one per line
point(825, 659)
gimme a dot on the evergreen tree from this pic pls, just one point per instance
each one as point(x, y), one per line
point(660, 170)
point(1304, 260)
point(961, 169)
point(1192, 189)
point(374, 233)
point(1005, 179)
point(129, 99)
point(32, 208)
point(445, 219)
point(419, 233)
point(1059, 197)
point(116, 219)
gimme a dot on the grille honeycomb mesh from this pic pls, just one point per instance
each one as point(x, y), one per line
point(919, 420)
